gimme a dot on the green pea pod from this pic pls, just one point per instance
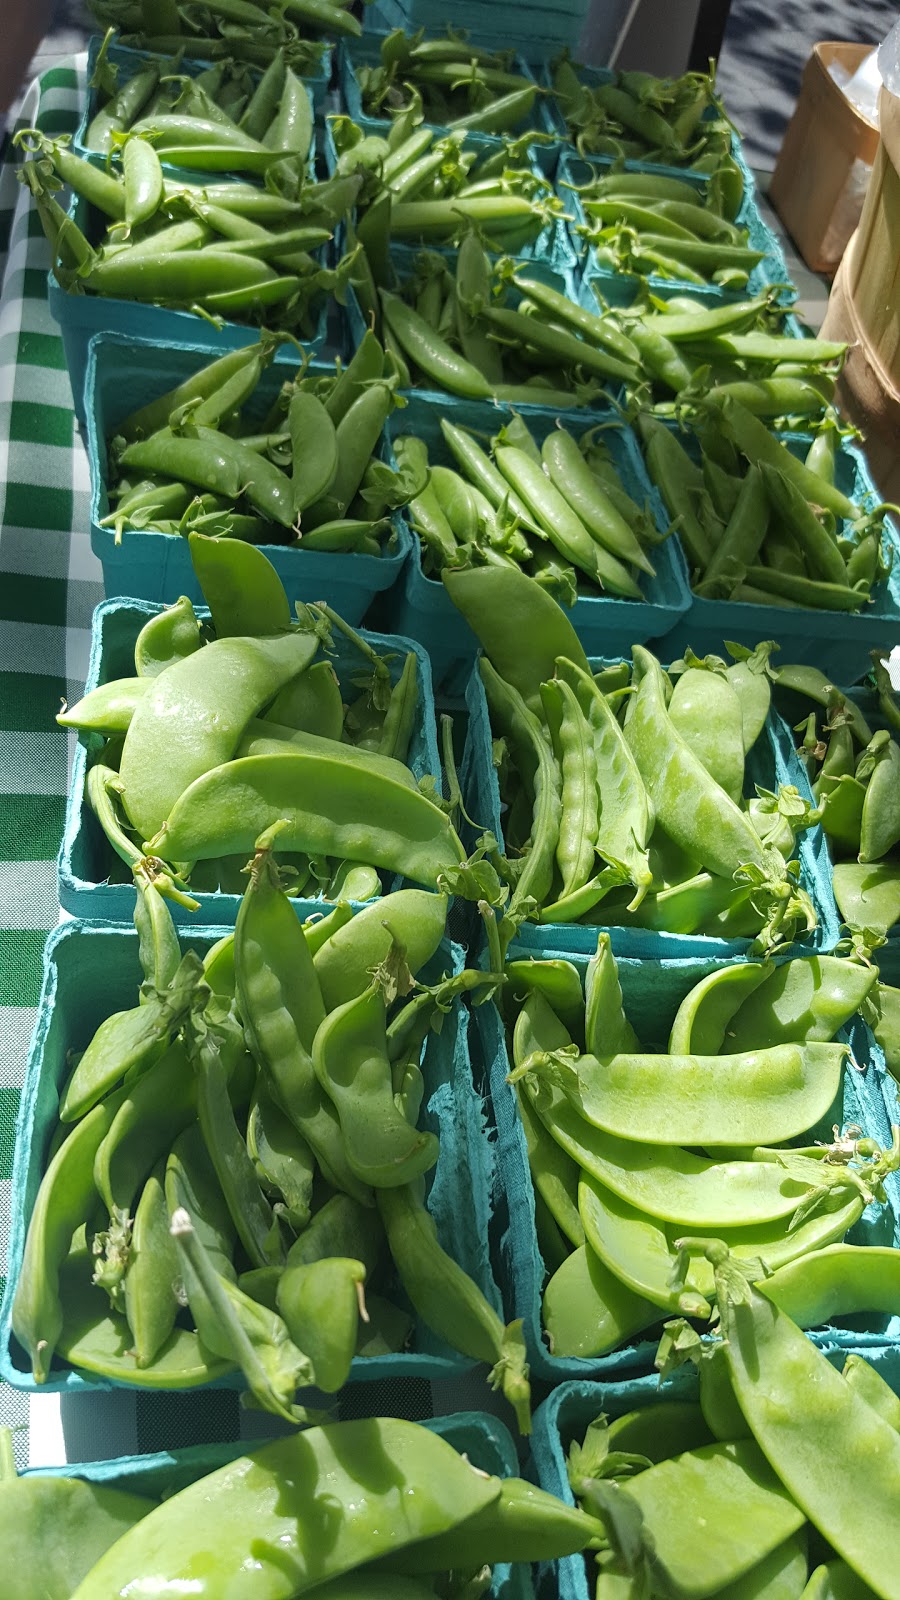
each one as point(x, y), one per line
point(565, 349)
point(557, 982)
point(573, 746)
point(573, 478)
point(151, 1304)
point(129, 1042)
point(263, 103)
point(244, 593)
point(320, 1304)
point(158, 949)
point(741, 541)
point(166, 638)
point(262, 1501)
point(351, 1063)
point(143, 178)
point(880, 829)
point(449, 1302)
point(801, 1001)
point(703, 1020)
point(678, 481)
point(823, 559)
point(200, 386)
point(479, 468)
point(430, 353)
point(250, 1211)
point(291, 128)
point(71, 1522)
point(706, 712)
point(732, 1482)
point(192, 718)
point(606, 1027)
point(509, 711)
point(356, 437)
point(310, 703)
point(281, 1006)
point(314, 450)
point(553, 1173)
point(626, 812)
point(588, 1311)
point(502, 607)
point(108, 709)
point(410, 919)
point(64, 1199)
point(366, 364)
point(525, 1524)
point(692, 808)
point(768, 1357)
point(761, 447)
point(284, 1163)
point(339, 1227)
point(776, 1094)
point(343, 813)
point(400, 717)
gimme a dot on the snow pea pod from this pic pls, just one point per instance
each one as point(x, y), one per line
point(801, 1001)
point(706, 712)
point(573, 478)
point(411, 919)
point(692, 808)
point(772, 1095)
point(729, 1486)
point(587, 1310)
point(250, 1210)
point(606, 1027)
point(261, 1514)
point(868, 896)
point(880, 826)
point(510, 712)
point(834, 1580)
point(151, 1305)
point(502, 607)
point(193, 717)
point(153, 1110)
point(675, 1185)
point(241, 587)
point(166, 638)
point(331, 808)
point(573, 746)
point(869, 1383)
point(320, 1303)
point(350, 1058)
point(554, 1174)
point(771, 1363)
point(753, 438)
point(839, 1281)
point(284, 1163)
point(449, 1301)
point(702, 1021)
point(108, 709)
point(525, 1524)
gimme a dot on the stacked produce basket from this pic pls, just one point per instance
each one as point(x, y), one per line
point(480, 994)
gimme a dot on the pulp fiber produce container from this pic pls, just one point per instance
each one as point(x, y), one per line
point(367, 52)
point(483, 1438)
point(773, 761)
point(124, 373)
point(129, 62)
point(551, 247)
point(535, 31)
point(837, 642)
point(652, 991)
point(575, 171)
point(81, 315)
point(594, 77)
point(565, 1416)
point(421, 607)
point(91, 971)
point(93, 883)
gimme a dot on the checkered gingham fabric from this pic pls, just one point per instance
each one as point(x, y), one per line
point(50, 582)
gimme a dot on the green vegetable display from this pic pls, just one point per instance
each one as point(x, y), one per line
point(222, 739)
point(633, 1152)
point(195, 1134)
point(855, 774)
point(201, 458)
point(238, 30)
point(557, 509)
point(626, 791)
point(757, 522)
point(449, 81)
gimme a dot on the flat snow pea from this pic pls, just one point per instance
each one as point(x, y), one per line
point(771, 1362)
point(772, 1095)
point(869, 1383)
point(674, 1184)
point(193, 716)
point(729, 1487)
point(660, 1431)
point(706, 711)
point(108, 709)
point(750, 679)
point(690, 805)
point(241, 587)
point(320, 1303)
point(330, 811)
point(166, 638)
point(55, 1529)
point(283, 1160)
point(524, 1524)
point(411, 919)
point(503, 607)
point(834, 1580)
point(880, 827)
point(838, 1281)
point(887, 1027)
point(151, 1305)
point(800, 1001)
point(606, 1027)
point(311, 702)
point(868, 896)
point(260, 1516)
point(588, 1310)
point(553, 1173)
point(702, 1020)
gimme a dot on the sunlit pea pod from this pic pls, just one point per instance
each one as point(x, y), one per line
point(727, 1487)
point(868, 1382)
point(749, 1098)
point(771, 1362)
point(701, 1021)
point(641, 1249)
point(675, 1185)
point(151, 1305)
point(588, 1310)
point(108, 709)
